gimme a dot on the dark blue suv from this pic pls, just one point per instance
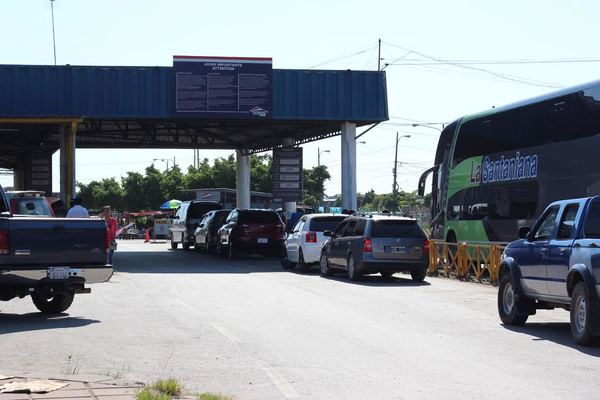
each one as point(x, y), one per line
point(556, 264)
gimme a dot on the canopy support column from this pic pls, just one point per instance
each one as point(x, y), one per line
point(349, 197)
point(242, 179)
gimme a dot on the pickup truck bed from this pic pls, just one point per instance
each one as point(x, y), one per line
point(51, 259)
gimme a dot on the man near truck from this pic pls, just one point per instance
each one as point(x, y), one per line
point(78, 211)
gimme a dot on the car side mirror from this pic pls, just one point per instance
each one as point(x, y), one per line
point(328, 233)
point(524, 232)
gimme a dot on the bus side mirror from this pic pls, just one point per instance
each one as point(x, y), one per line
point(524, 232)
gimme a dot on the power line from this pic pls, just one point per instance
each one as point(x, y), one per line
point(492, 62)
point(508, 77)
point(342, 57)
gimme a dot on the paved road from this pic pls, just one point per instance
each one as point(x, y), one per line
point(249, 329)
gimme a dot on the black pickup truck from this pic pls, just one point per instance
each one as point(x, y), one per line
point(50, 259)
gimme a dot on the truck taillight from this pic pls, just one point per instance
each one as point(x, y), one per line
point(367, 245)
point(311, 237)
point(4, 243)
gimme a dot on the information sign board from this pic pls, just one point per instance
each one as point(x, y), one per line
point(287, 175)
point(223, 87)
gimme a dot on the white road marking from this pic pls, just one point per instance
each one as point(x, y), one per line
point(223, 331)
point(286, 389)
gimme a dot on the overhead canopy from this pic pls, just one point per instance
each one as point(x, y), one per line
point(133, 107)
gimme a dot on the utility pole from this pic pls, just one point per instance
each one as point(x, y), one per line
point(53, 36)
point(395, 171)
point(379, 57)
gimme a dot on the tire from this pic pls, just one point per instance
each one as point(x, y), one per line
point(451, 237)
point(508, 306)
point(581, 315)
point(57, 304)
point(302, 266)
point(386, 274)
point(286, 264)
point(324, 267)
point(185, 246)
point(418, 276)
point(353, 275)
point(231, 251)
point(173, 245)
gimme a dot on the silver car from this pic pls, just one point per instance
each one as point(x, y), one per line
point(381, 244)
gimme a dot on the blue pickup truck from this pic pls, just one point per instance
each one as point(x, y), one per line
point(50, 259)
point(556, 264)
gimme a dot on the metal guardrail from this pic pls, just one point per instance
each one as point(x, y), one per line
point(466, 260)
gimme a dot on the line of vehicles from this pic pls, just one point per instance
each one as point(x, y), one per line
point(333, 243)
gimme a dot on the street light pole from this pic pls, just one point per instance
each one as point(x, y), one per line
point(319, 151)
point(53, 35)
point(428, 126)
point(163, 160)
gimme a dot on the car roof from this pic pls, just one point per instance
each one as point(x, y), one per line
point(324, 215)
point(389, 218)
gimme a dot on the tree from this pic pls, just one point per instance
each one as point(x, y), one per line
point(223, 172)
point(133, 188)
point(314, 184)
point(152, 190)
point(172, 183)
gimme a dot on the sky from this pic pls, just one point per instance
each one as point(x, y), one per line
point(426, 44)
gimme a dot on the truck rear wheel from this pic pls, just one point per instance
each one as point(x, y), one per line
point(57, 303)
point(581, 315)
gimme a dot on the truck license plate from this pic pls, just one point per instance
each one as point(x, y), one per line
point(58, 272)
point(262, 240)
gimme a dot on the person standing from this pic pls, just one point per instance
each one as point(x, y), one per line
point(78, 211)
point(111, 224)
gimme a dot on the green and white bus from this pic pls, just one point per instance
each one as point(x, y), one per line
point(496, 171)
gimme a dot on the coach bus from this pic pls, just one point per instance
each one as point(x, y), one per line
point(496, 171)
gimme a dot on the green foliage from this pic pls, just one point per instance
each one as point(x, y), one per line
point(148, 191)
point(168, 386)
point(151, 394)
point(213, 396)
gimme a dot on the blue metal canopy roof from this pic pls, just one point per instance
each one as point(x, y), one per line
point(133, 107)
point(96, 92)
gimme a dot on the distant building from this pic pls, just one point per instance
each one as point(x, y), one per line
point(227, 197)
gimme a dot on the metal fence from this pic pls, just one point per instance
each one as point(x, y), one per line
point(479, 261)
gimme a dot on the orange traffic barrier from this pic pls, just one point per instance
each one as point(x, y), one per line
point(478, 261)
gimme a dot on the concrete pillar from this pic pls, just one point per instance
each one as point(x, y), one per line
point(19, 177)
point(242, 179)
point(349, 200)
point(290, 206)
point(67, 163)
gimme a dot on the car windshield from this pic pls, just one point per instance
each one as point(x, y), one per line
point(397, 228)
point(254, 217)
point(197, 210)
point(324, 223)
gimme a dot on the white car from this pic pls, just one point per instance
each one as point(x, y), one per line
point(303, 245)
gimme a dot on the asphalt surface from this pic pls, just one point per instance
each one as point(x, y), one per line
point(249, 329)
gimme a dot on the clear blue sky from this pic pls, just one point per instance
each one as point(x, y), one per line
point(317, 33)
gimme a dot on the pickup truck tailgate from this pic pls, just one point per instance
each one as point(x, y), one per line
point(55, 241)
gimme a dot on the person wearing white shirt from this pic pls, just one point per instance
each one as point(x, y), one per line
point(78, 211)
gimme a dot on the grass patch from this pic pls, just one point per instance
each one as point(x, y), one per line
point(151, 394)
point(169, 387)
point(213, 396)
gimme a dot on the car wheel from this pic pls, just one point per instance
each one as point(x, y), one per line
point(56, 304)
point(185, 245)
point(418, 276)
point(302, 266)
point(324, 267)
point(386, 274)
point(581, 315)
point(173, 244)
point(231, 251)
point(508, 304)
point(286, 264)
point(353, 275)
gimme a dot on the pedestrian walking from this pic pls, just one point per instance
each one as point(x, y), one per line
point(111, 224)
point(77, 210)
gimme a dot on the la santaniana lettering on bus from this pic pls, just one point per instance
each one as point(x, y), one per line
point(505, 169)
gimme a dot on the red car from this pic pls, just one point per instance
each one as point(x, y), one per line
point(251, 231)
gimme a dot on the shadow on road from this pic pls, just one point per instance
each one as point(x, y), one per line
point(191, 262)
point(377, 280)
point(12, 323)
point(557, 332)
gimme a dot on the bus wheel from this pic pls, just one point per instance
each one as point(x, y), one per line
point(451, 237)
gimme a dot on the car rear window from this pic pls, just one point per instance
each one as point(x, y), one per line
point(35, 206)
point(254, 217)
point(324, 223)
point(395, 228)
point(196, 210)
